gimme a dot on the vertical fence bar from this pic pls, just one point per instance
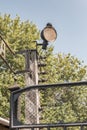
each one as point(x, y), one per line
point(82, 128)
point(15, 107)
point(64, 128)
point(48, 128)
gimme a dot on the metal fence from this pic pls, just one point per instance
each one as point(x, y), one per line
point(62, 106)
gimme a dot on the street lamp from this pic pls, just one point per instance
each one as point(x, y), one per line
point(48, 34)
point(31, 99)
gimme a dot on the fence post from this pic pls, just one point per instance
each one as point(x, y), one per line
point(32, 97)
point(11, 90)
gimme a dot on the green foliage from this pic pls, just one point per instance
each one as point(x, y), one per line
point(65, 68)
point(64, 104)
point(19, 36)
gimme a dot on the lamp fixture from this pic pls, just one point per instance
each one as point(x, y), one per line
point(48, 34)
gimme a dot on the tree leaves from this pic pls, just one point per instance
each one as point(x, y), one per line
point(19, 36)
point(64, 104)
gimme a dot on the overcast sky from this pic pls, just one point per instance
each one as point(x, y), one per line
point(69, 17)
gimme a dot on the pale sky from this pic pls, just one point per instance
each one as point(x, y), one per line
point(69, 17)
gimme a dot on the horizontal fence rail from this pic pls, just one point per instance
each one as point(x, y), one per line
point(64, 126)
point(62, 106)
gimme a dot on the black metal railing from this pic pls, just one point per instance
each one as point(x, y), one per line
point(61, 106)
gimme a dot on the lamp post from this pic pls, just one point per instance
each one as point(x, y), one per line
point(48, 34)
